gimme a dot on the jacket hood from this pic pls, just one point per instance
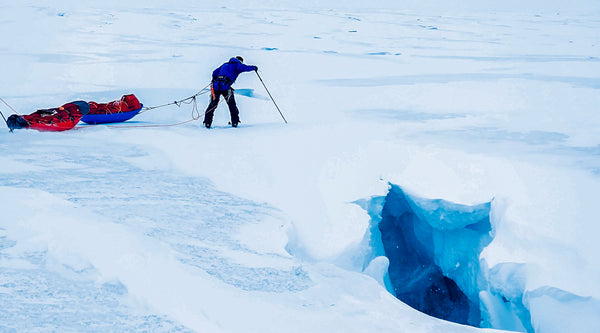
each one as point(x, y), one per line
point(234, 59)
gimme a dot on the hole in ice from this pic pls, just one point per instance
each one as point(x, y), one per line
point(433, 247)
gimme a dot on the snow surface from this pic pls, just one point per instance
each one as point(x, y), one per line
point(262, 228)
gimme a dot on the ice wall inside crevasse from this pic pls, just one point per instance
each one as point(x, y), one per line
point(433, 248)
point(427, 253)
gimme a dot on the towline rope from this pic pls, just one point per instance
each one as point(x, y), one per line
point(3, 101)
point(189, 100)
point(179, 102)
point(195, 115)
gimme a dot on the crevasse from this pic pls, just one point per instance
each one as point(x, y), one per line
point(433, 247)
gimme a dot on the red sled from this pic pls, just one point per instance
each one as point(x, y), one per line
point(56, 119)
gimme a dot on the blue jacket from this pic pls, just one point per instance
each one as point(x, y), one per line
point(230, 70)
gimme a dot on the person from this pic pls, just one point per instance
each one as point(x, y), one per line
point(222, 79)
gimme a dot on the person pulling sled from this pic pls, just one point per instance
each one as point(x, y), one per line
point(222, 79)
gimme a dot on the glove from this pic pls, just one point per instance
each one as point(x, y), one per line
point(256, 68)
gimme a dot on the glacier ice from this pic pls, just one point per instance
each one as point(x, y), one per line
point(433, 247)
point(433, 252)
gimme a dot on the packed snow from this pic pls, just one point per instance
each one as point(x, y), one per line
point(475, 122)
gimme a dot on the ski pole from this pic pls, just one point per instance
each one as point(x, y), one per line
point(6, 121)
point(4, 118)
point(263, 83)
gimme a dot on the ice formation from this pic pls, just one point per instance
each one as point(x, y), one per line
point(433, 247)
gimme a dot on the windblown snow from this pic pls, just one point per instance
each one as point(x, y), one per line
point(439, 172)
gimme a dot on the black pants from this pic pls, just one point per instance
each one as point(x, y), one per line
point(233, 110)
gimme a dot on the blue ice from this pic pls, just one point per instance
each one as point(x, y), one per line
point(433, 247)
